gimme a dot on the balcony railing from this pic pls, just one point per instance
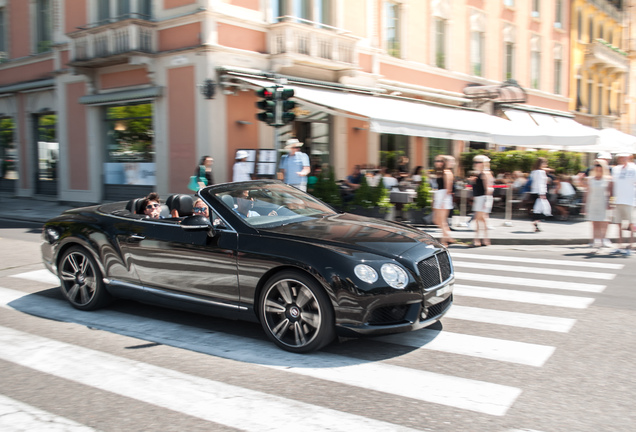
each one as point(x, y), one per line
point(100, 44)
point(308, 41)
point(605, 55)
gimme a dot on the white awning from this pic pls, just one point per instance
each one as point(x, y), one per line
point(612, 141)
point(558, 133)
point(402, 117)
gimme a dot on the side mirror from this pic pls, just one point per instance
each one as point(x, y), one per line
point(198, 222)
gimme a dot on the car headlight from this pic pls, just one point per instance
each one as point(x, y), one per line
point(394, 275)
point(366, 273)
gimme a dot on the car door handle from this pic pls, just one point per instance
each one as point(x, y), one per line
point(135, 237)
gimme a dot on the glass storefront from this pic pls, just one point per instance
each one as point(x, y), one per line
point(8, 155)
point(393, 151)
point(48, 154)
point(130, 150)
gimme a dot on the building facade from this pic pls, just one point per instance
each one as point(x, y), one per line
point(109, 99)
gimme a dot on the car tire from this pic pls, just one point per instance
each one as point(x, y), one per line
point(81, 280)
point(296, 313)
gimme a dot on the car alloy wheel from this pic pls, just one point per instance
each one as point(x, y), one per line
point(296, 313)
point(81, 280)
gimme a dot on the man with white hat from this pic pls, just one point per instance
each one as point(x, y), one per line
point(295, 165)
point(241, 169)
point(624, 192)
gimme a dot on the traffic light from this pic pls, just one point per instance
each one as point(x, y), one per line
point(287, 116)
point(268, 105)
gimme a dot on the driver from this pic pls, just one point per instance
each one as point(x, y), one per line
point(244, 204)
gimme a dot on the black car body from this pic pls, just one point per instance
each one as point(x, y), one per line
point(305, 271)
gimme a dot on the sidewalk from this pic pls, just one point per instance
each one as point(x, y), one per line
point(516, 232)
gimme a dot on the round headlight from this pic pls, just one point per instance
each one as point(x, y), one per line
point(366, 273)
point(394, 275)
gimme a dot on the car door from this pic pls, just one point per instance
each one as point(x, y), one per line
point(171, 258)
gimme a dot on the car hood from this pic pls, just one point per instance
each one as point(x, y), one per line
point(357, 232)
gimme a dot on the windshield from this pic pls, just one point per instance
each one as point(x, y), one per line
point(269, 205)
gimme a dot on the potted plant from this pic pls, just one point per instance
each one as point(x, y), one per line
point(419, 209)
point(372, 201)
point(327, 189)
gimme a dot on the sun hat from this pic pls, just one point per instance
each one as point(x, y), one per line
point(241, 154)
point(623, 154)
point(604, 155)
point(293, 142)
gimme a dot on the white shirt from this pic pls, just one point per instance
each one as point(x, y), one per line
point(539, 183)
point(241, 172)
point(389, 182)
point(624, 179)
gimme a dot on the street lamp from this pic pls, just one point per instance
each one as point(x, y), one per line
point(208, 88)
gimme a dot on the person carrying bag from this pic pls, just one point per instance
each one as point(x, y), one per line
point(203, 175)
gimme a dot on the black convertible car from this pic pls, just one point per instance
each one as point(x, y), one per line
point(267, 252)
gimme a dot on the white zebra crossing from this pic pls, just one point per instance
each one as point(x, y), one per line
point(478, 396)
point(557, 300)
point(198, 397)
point(541, 261)
point(533, 270)
point(16, 416)
point(513, 319)
point(535, 283)
point(453, 391)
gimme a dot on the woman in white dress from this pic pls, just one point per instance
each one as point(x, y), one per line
point(597, 197)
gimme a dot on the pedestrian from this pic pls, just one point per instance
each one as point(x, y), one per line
point(294, 166)
point(204, 172)
point(241, 169)
point(599, 190)
point(538, 192)
point(623, 192)
point(482, 198)
point(443, 195)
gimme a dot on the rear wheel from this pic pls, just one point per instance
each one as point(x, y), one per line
point(296, 313)
point(81, 280)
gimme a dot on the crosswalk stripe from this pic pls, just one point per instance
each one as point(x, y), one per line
point(463, 393)
point(17, 416)
point(536, 283)
point(476, 346)
point(198, 397)
point(557, 300)
point(513, 319)
point(43, 276)
point(542, 261)
point(534, 270)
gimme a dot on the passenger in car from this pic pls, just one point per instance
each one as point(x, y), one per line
point(151, 206)
point(201, 208)
point(244, 204)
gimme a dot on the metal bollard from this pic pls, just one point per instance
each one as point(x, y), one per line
point(508, 216)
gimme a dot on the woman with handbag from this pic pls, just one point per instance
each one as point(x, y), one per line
point(202, 174)
point(538, 192)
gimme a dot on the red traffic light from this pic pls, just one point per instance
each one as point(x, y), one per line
point(266, 93)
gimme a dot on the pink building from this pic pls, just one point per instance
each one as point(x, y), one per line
point(104, 99)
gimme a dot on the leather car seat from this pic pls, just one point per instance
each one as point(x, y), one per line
point(180, 205)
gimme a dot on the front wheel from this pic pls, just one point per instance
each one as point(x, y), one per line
point(81, 280)
point(296, 313)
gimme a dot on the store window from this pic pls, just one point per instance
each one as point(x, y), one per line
point(130, 150)
point(393, 149)
point(8, 154)
point(48, 154)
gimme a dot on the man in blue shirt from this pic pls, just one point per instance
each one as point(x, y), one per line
point(295, 165)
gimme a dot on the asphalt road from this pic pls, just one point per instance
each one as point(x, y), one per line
point(539, 338)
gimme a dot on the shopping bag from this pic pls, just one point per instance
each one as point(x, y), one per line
point(193, 185)
point(542, 206)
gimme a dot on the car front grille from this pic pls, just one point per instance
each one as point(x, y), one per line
point(438, 309)
point(434, 270)
point(387, 315)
